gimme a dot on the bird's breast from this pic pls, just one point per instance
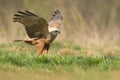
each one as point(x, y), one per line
point(52, 37)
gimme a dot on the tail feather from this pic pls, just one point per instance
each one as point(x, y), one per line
point(18, 40)
point(31, 42)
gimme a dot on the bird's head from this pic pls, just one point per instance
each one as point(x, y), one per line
point(54, 31)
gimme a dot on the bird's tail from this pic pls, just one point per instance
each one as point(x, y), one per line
point(18, 40)
point(31, 42)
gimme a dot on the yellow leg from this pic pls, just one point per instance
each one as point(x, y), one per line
point(45, 51)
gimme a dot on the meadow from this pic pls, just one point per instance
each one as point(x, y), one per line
point(23, 55)
point(65, 60)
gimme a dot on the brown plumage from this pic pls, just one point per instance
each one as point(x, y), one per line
point(41, 32)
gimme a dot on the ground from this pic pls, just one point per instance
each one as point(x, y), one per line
point(65, 61)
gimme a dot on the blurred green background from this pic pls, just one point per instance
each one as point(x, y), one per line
point(85, 22)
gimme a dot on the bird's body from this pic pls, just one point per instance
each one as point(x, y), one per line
point(41, 33)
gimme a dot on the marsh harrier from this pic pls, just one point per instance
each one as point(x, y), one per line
point(41, 32)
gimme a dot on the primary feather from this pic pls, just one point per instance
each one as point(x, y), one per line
point(36, 27)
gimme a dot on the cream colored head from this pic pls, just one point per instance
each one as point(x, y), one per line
point(54, 30)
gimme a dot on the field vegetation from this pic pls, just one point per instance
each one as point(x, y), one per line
point(23, 55)
point(65, 60)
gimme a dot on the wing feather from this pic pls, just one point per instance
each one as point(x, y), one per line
point(56, 19)
point(36, 27)
point(30, 13)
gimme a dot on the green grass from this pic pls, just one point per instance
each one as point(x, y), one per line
point(23, 55)
point(65, 60)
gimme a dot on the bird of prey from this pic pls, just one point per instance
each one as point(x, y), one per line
point(41, 32)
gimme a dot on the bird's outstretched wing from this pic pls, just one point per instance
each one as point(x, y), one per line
point(36, 27)
point(56, 19)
